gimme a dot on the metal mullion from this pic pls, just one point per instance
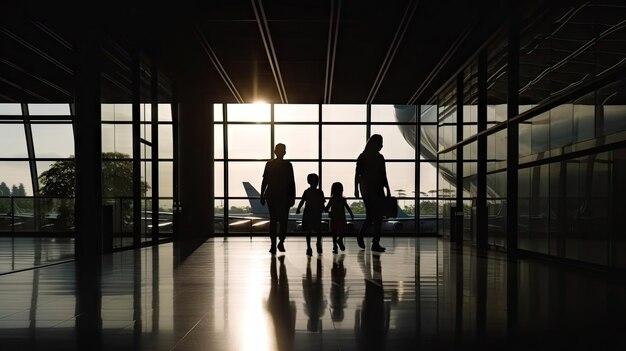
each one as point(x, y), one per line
point(226, 161)
point(136, 139)
point(418, 176)
point(459, 160)
point(30, 149)
point(154, 92)
point(319, 143)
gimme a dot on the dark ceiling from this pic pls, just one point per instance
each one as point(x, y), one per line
point(245, 51)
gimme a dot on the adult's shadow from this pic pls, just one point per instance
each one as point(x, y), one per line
point(372, 319)
point(313, 291)
point(282, 310)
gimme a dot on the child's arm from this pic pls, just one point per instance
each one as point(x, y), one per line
point(345, 203)
point(300, 204)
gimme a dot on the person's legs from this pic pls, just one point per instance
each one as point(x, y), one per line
point(273, 219)
point(374, 210)
point(319, 241)
point(334, 234)
point(340, 234)
point(283, 220)
point(309, 251)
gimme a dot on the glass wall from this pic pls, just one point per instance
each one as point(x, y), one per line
point(36, 168)
point(321, 139)
point(571, 135)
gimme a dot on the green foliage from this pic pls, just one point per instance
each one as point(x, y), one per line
point(239, 210)
point(117, 181)
point(428, 207)
point(4, 189)
point(58, 180)
point(357, 207)
point(117, 177)
point(409, 210)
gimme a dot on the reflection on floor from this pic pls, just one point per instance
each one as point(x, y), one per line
point(23, 253)
point(233, 295)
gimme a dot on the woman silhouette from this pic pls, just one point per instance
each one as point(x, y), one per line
point(371, 178)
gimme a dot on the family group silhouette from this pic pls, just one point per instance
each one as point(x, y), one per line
point(278, 191)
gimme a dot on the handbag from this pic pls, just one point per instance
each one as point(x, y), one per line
point(390, 207)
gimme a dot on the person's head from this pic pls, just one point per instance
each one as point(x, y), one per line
point(374, 143)
point(313, 180)
point(336, 189)
point(280, 150)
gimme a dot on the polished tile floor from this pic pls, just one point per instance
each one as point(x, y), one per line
point(19, 253)
point(233, 295)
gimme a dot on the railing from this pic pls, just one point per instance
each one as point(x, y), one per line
point(27, 214)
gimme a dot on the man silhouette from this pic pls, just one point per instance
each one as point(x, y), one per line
point(279, 190)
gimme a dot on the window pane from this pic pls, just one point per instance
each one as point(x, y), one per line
point(398, 141)
point(401, 177)
point(146, 131)
point(166, 144)
point(117, 178)
point(249, 112)
point(53, 140)
point(428, 180)
point(219, 179)
point(145, 112)
point(10, 109)
point(218, 135)
point(16, 173)
point(249, 141)
point(239, 172)
point(301, 140)
point(117, 112)
point(342, 172)
point(117, 138)
point(343, 141)
point(49, 109)
point(296, 113)
point(165, 112)
point(12, 141)
point(301, 170)
point(428, 114)
point(218, 112)
point(146, 179)
point(385, 113)
point(166, 173)
point(61, 182)
point(344, 113)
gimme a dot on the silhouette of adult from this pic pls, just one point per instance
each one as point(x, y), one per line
point(371, 178)
point(282, 310)
point(313, 292)
point(279, 190)
point(372, 319)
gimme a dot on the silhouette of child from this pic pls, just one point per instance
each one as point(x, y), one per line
point(313, 292)
point(335, 207)
point(312, 218)
point(338, 291)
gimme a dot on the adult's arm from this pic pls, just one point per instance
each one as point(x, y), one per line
point(263, 186)
point(292, 186)
point(385, 181)
point(357, 175)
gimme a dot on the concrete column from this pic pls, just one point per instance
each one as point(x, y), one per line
point(196, 167)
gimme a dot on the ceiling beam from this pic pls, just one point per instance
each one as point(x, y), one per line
point(409, 12)
point(331, 49)
point(439, 66)
point(218, 65)
point(264, 29)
